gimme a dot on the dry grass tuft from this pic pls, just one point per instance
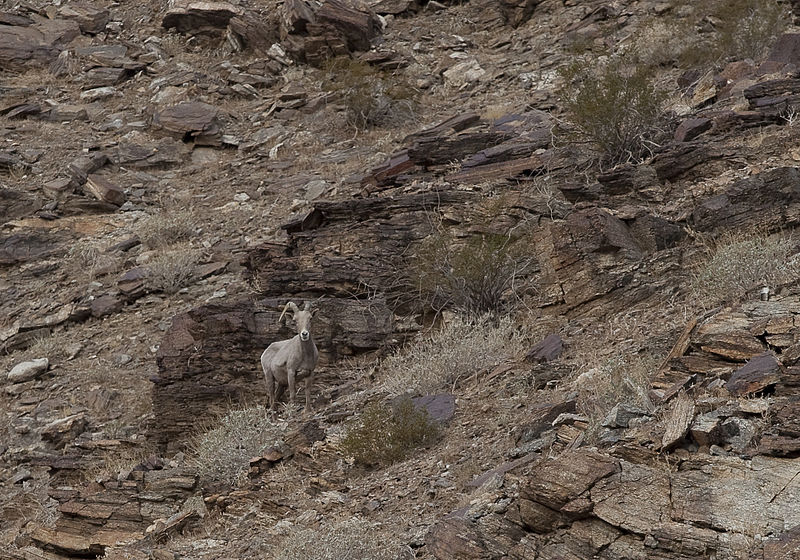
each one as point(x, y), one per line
point(166, 228)
point(223, 451)
point(458, 350)
point(353, 539)
point(172, 270)
point(739, 262)
point(620, 379)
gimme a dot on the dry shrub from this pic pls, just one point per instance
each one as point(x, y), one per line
point(223, 451)
point(619, 379)
point(739, 262)
point(353, 539)
point(483, 275)
point(372, 97)
point(166, 228)
point(384, 434)
point(89, 261)
point(615, 106)
point(172, 270)
point(459, 349)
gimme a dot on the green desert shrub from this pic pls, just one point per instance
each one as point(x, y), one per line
point(748, 28)
point(370, 96)
point(459, 349)
point(222, 452)
point(352, 539)
point(614, 105)
point(736, 263)
point(386, 433)
point(483, 275)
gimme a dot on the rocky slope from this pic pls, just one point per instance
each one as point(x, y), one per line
point(172, 173)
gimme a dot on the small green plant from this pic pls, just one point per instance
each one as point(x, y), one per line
point(458, 350)
point(353, 539)
point(223, 451)
point(615, 106)
point(371, 97)
point(739, 262)
point(384, 434)
point(480, 276)
point(172, 270)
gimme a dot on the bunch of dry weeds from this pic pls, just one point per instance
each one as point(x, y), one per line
point(739, 262)
point(172, 270)
point(353, 539)
point(458, 350)
point(166, 228)
point(223, 451)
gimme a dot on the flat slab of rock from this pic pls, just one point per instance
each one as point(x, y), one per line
point(546, 350)
point(37, 44)
point(440, 408)
point(26, 371)
point(192, 120)
point(691, 129)
point(194, 16)
point(756, 375)
point(91, 20)
point(104, 190)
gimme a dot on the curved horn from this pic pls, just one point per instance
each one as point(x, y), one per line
point(291, 305)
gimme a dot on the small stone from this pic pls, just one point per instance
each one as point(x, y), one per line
point(73, 349)
point(121, 359)
point(621, 416)
point(464, 73)
point(241, 197)
point(26, 371)
point(316, 189)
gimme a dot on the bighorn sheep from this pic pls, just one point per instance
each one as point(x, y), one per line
point(287, 361)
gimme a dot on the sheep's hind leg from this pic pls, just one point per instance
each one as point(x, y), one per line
point(270, 388)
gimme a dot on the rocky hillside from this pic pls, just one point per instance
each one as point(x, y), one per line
point(551, 245)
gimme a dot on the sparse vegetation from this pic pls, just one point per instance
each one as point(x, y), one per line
point(460, 349)
point(223, 451)
point(615, 106)
point(739, 262)
point(166, 228)
point(353, 539)
point(748, 28)
point(370, 96)
point(384, 434)
point(172, 270)
point(619, 379)
point(483, 275)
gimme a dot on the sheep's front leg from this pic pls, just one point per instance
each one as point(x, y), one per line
point(290, 374)
point(309, 382)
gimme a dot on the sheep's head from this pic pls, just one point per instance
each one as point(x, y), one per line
point(302, 318)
